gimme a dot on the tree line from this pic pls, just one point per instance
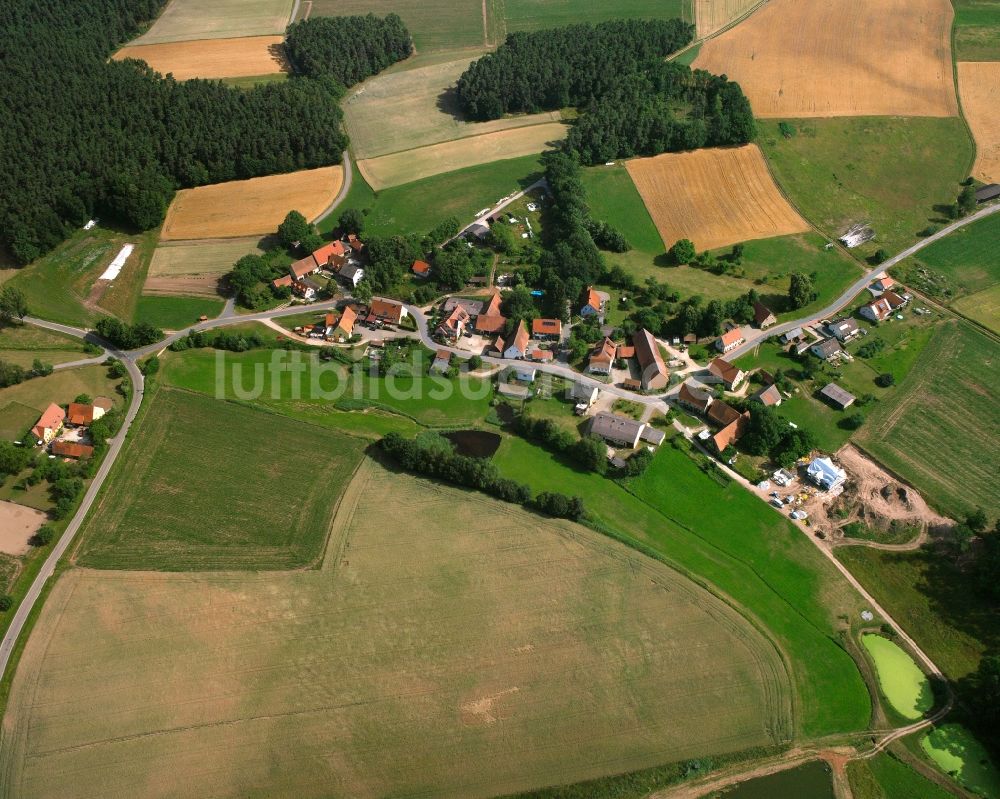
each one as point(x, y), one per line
point(348, 49)
point(115, 139)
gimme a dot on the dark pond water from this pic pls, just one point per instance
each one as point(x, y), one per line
point(475, 443)
point(811, 781)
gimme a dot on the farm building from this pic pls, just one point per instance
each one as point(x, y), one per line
point(306, 288)
point(79, 413)
point(881, 309)
point(357, 245)
point(795, 334)
point(826, 349)
point(647, 352)
point(602, 357)
point(343, 328)
point(731, 433)
point(722, 371)
point(729, 340)
point(303, 267)
point(516, 392)
point(593, 303)
point(282, 282)
point(617, 429)
point(882, 285)
point(549, 329)
point(351, 275)
point(331, 256)
point(518, 346)
point(763, 317)
point(692, 395)
point(49, 423)
point(843, 329)
point(836, 396)
point(987, 193)
point(584, 395)
point(768, 396)
point(541, 356)
point(452, 327)
point(826, 474)
point(489, 319)
point(472, 307)
point(421, 269)
point(478, 230)
point(652, 436)
point(386, 312)
point(71, 449)
point(441, 362)
point(721, 413)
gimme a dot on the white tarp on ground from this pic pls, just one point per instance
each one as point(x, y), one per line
point(116, 265)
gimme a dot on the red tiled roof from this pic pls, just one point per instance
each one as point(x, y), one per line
point(493, 306)
point(626, 351)
point(386, 311)
point(546, 327)
point(323, 255)
point(347, 320)
point(285, 280)
point(721, 413)
point(443, 355)
point(71, 449)
point(733, 336)
point(490, 324)
point(104, 403)
point(541, 355)
point(604, 352)
point(355, 243)
point(724, 370)
point(80, 413)
point(521, 337)
point(592, 299)
point(894, 300)
point(731, 433)
point(50, 419)
point(421, 268)
point(646, 351)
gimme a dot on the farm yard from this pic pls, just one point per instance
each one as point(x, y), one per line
point(247, 207)
point(434, 24)
point(710, 15)
point(895, 174)
point(851, 58)
point(397, 169)
point(979, 88)
point(243, 516)
point(402, 110)
point(714, 197)
point(932, 431)
point(431, 652)
point(193, 268)
point(182, 20)
point(213, 58)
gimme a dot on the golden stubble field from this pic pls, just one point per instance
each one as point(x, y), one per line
point(979, 87)
point(435, 159)
point(182, 20)
point(713, 197)
point(250, 207)
point(815, 58)
point(194, 268)
point(450, 644)
point(213, 58)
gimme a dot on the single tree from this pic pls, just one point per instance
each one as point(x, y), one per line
point(351, 220)
point(967, 200)
point(13, 304)
point(800, 290)
point(683, 252)
point(293, 229)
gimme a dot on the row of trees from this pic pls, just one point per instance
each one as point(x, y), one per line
point(348, 49)
point(432, 454)
point(125, 336)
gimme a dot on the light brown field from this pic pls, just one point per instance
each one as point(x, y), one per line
point(17, 525)
point(710, 15)
point(249, 207)
point(182, 20)
point(193, 268)
point(983, 306)
point(979, 87)
point(450, 646)
point(213, 58)
point(405, 167)
point(815, 58)
point(713, 197)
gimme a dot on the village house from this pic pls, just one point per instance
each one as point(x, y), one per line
point(541, 356)
point(285, 281)
point(617, 430)
point(441, 362)
point(517, 347)
point(653, 372)
point(525, 373)
point(351, 275)
point(729, 340)
point(826, 349)
point(768, 396)
point(763, 317)
point(722, 371)
point(882, 308)
point(421, 269)
point(302, 268)
point(721, 413)
point(71, 449)
point(306, 288)
point(881, 286)
point(584, 396)
point(357, 245)
point(602, 358)
point(826, 474)
point(386, 312)
point(343, 329)
point(80, 414)
point(795, 334)
point(490, 320)
point(331, 256)
point(593, 303)
point(452, 327)
point(731, 433)
point(472, 307)
point(843, 329)
point(694, 397)
point(836, 396)
point(546, 329)
point(49, 424)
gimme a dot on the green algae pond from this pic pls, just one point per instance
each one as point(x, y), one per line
point(957, 752)
point(809, 781)
point(903, 684)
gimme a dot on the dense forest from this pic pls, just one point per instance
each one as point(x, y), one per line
point(633, 102)
point(348, 49)
point(84, 136)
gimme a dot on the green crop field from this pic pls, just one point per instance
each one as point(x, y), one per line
point(941, 420)
point(977, 30)
point(983, 307)
point(433, 24)
point(889, 172)
point(444, 630)
point(766, 266)
point(730, 539)
point(885, 777)
point(509, 16)
point(175, 313)
point(183, 20)
point(16, 419)
point(205, 484)
point(21, 344)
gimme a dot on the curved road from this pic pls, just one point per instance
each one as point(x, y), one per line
point(344, 188)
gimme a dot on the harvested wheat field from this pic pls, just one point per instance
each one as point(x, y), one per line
point(466, 645)
point(710, 15)
point(213, 58)
point(815, 58)
point(423, 162)
point(193, 268)
point(979, 87)
point(249, 207)
point(714, 197)
point(182, 20)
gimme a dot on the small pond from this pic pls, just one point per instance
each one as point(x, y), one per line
point(810, 781)
point(903, 684)
point(474, 443)
point(956, 752)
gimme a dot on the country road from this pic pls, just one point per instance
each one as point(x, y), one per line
point(345, 187)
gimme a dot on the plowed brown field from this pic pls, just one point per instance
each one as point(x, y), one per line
point(710, 15)
point(979, 85)
point(249, 207)
point(213, 58)
point(714, 197)
point(816, 58)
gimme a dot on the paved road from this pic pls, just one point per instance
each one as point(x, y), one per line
point(344, 188)
point(114, 447)
point(859, 285)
